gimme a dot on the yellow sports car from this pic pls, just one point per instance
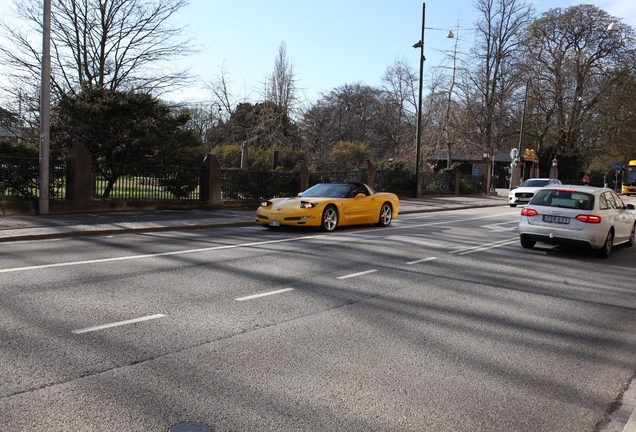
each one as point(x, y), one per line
point(329, 205)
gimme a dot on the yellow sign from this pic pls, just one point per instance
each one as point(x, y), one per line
point(530, 155)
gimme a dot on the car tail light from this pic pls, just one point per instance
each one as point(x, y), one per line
point(589, 218)
point(565, 190)
point(528, 212)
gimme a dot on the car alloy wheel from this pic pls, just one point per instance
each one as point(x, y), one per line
point(607, 246)
point(329, 219)
point(386, 214)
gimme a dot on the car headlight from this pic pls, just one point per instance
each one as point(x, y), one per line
point(266, 203)
point(307, 204)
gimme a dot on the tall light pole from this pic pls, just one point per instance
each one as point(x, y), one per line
point(418, 133)
point(45, 101)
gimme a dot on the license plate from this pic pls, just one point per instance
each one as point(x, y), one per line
point(274, 223)
point(523, 199)
point(556, 219)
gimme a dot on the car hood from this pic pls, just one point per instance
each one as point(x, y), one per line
point(525, 190)
point(295, 201)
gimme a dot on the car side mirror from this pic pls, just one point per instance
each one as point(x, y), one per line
point(360, 195)
point(630, 206)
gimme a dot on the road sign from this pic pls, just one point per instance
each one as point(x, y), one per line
point(617, 166)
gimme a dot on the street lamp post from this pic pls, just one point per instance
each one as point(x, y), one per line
point(418, 133)
point(45, 99)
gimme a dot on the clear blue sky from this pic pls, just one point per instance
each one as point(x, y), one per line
point(329, 42)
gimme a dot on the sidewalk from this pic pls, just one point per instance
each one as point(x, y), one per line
point(35, 227)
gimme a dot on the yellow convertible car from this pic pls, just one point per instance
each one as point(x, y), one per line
point(329, 205)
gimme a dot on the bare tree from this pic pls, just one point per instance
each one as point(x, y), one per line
point(494, 77)
point(574, 63)
point(280, 88)
point(398, 105)
point(110, 44)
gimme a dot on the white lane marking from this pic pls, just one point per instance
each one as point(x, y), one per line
point(415, 240)
point(422, 260)
point(356, 274)
point(484, 247)
point(134, 257)
point(117, 324)
point(263, 294)
point(499, 227)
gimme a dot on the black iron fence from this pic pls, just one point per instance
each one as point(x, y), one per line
point(145, 182)
point(254, 185)
point(19, 180)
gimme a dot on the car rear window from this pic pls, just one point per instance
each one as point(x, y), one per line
point(564, 199)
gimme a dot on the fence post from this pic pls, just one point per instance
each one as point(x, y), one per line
point(79, 170)
point(302, 177)
point(211, 180)
point(368, 174)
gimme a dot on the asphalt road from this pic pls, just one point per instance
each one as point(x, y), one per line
point(441, 322)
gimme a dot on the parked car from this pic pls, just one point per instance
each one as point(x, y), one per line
point(329, 205)
point(524, 193)
point(580, 216)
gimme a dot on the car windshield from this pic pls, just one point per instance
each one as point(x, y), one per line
point(535, 183)
point(563, 198)
point(329, 190)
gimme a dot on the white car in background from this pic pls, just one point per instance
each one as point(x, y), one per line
point(578, 216)
point(524, 193)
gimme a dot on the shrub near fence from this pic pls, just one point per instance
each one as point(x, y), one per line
point(20, 178)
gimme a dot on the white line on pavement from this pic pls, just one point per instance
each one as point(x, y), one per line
point(356, 274)
point(422, 260)
point(133, 257)
point(117, 324)
point(483, 247)
point(264, 294)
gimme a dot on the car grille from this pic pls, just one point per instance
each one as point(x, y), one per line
point(524, 195)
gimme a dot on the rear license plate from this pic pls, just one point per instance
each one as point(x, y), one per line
point(556, 219)
point(274, 223)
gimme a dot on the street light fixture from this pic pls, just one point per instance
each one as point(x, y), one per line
point(418, 134)
point(613, 27)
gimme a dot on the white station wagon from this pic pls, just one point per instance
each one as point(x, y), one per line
point(577, 216)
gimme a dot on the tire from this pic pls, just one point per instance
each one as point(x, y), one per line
point(329, 220)
point(607, 246)
point(386, 215)
point(632, 236)
point(528, 244)
point(513, 205)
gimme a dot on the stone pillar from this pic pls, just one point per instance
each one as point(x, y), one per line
point(211, 180)
point(302, 177)
point(79, 170)
point(458, 180)
point(367, 175)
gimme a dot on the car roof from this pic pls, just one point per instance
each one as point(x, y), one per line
point(579, 188)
